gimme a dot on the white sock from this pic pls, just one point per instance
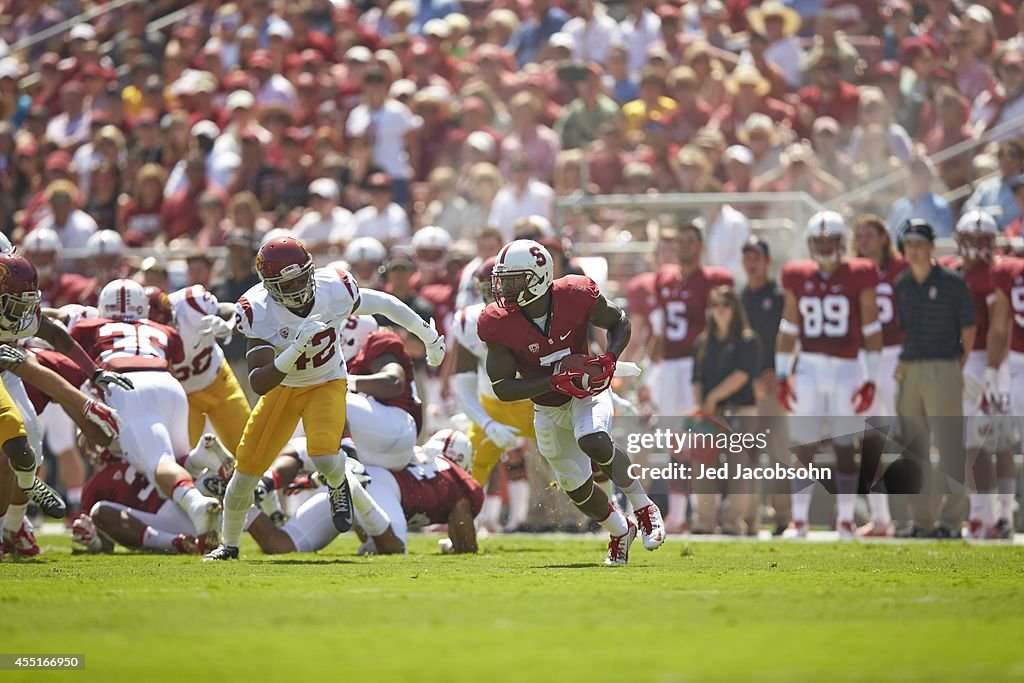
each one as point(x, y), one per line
point(518, 502)
point(370, 514)
point(982, 508)
point(157, 540)
point(878, 503)
point(25, 478)
point(237, 501)
point(73, 495)
point(846, 496)
point(677, 506)
point(802, 505)
point(636, 495)
point(332, 467)
point(12, 520)
point(490, 512)
point(614, 522)
point(1007, 492)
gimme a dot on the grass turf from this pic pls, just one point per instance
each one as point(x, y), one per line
point(528, 609)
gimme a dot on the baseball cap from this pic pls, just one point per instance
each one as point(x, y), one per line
point(739, 153)
point(358, 53)
point(205, 128)
point(755, 243)
point(324, 187)
point(917, 229)
point(400, 257)
point(240, 99)
point(379, 179)
point(82, 32)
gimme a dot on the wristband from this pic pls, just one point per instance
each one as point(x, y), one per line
point(285, 360)
point(872, 359)
point(871, 328)
point(787, 327)
point(783, 363)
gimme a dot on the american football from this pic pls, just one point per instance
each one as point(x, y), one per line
point(547, 340)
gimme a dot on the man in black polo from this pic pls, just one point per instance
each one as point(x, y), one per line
point(762, 299)
point(937, 315)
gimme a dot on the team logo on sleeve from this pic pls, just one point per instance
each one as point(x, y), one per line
point(534, 348)
point(284, 333)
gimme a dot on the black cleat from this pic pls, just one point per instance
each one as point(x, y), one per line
point(341, 506)
point(48, 500)
point(944, 533)
point(221, 553)
point(1004, 529)
point(912, 531)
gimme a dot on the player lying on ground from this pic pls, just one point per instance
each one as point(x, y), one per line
point(434, 489)
point(292, 320)
point(536, 336)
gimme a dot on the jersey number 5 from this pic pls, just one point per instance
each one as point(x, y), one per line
point(324, 354)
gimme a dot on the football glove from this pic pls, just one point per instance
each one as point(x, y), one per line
point(785, 394)
point(435, 349)
point(11, 358)
point(216, 326)
point(503, 436)
point(104, 378)
point(863, 398)
point(104, 417)
point(309, 328)
point(564, 383)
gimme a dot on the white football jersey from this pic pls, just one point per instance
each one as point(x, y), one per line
point(257, 316)
point(203, 355)
point(464, 330)
point(77, 313)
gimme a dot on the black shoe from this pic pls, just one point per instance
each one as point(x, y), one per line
point(1004, 528)
point(912, 531)
point(944, 533)
point(48, 500)
point(779, 529)
point(221, 553)
point(341, 506)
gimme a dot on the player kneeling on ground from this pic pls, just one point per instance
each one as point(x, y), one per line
point(536, 336)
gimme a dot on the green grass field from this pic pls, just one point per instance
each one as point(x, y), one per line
point(528, 609)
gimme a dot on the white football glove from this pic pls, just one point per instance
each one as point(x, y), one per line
point(216, 326)
point(435, 349)
point(991, 390)
point(104, 417)
point(309, 328)
point(85, 535)
point(503, 436)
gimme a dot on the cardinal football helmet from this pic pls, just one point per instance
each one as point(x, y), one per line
point(286, 269)
point(19, 294)
point(353, 335)
point(160, 308)
point(453, 445)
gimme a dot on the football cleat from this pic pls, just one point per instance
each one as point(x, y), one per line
point(651, 526)
point(975, 529)
point(185, 545)
point(876, 530)
point(48, 500)
point(796, 529)
point(341, 506)
point(210, 454)
point(221, 553)
point(618, 546)
point(1003, 529)
point(847, 530)
point(21, 543)
point(206, 517)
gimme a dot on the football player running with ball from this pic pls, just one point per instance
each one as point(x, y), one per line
point(536, 336)
point(292, 320)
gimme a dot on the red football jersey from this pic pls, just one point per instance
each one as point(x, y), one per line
point(892, 333)
point(121, 483)
point(829, 309)
point(442, 297)
point(641, 295)
point(1008, 276)
point(683, 302)
point(59, 363)
point(536, 350)
point(377, 344)
point(430, 492)
point(128, 346)
point(70, 288)
point(983, 290)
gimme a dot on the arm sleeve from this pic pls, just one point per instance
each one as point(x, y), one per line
point(381, 303)
point(469, 399)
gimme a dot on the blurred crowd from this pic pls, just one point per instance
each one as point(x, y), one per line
point(342, 120)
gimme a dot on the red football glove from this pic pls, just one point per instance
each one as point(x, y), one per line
point(863, 398)
point(563, 383)
point(606, 361)
point(785, 394)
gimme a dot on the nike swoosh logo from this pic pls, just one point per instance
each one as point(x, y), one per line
point(562, 338)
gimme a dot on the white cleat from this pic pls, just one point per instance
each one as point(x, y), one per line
point(651, 526)
point(446, 546)
point(210, 454)
point(206, 516)
point(796, 529)
point(618, 546)
point(847, 530)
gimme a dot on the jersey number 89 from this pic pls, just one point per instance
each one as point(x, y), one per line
point(828, 316)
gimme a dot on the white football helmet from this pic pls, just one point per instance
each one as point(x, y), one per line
point(523, 272)
point(826, 237)
point(106, 255)
point(354, 334)
point(366, 250)
point(453, 445)
point(975, 235)
point(6, 247)
point(430, 245)
point(42, 248)
point(124, 299)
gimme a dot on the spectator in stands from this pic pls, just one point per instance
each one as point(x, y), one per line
point(71, 224)
point(921, 202)
point(104, 190)
point(874, 110)
point(524, 195)
point(593, 32)
point(620, 82)
point(779, 25)
point(898, 26)
point(798, 171)
point(534, 33)
point(1016, 227)
point(874, 161)
point(244, 214)
point(994, 195)
point(70, 127)
point(760, 135)
point(253, 173)
point(582, 118)
point(390, 127)
point(382, 218)
point(1004, 103)
point(738, 162)
point(325, 223)
point(652, 104)
point(640, 30)
point(483, 182)
point(529, 138)
point(973, 76)
point(726, 230)
point(691, 113)
point(748, 91)
point(830, 157)
point(951, 128)
point(447, 208)
point(828, 39)
point(828, 96)
point(606, 158)
point(180, 211)
point(138, 218)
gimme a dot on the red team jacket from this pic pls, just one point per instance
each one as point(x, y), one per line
point(377, 344)
point(829, 308)
point(536, 350)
